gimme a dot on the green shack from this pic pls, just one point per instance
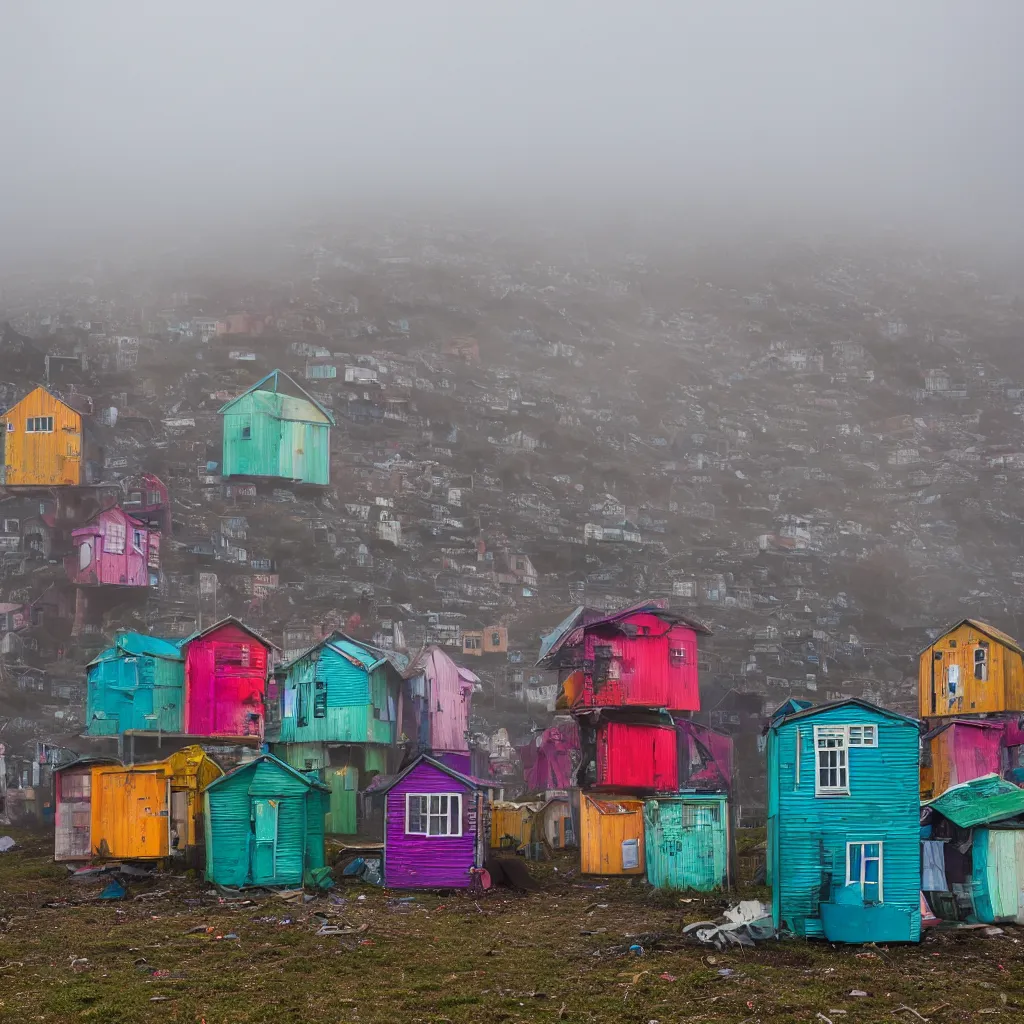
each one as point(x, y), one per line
point(277, 430)
point(264, 825)
point(687, 839)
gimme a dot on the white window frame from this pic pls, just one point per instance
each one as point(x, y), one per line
point(443, 816)
point(842, 761)
point(982, 662)
point(115, 538)
point(865, 735)
point(39, 425)
point(863, 865)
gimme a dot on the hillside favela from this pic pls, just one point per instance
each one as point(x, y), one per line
point(440, 590)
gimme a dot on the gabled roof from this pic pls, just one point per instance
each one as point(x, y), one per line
point(817, 709)
point(976, 723)
point(979, 802)
point(309, 780)
point(791, 707)
point(570, 631)
point(276, 376)
point(113, 508)
point(139, 645)
point(39, 387)
point(223, 622)
point(982, 627)
point(367, 658)
point(466, 780)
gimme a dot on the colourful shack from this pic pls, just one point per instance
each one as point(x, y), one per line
point(972, 852)
point(275, 429)
point(114, 549)
point(440, 694)
point(641, 656)
point(337, 708)
point(135, 685)
point(611, 834)
point(44, 442)
point(265, 825)
point(971, 669)
point(687, 841)
point(436, 827)
point(843, 823)
point(226, 668)
point(135, 812)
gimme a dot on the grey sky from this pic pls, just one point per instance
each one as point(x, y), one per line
point(127, 109)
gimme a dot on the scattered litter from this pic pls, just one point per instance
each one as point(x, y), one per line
point(159, 999)
point(114, 890)
point(725, 972)
point(857, 992)
point(319, 878)
point(743, 925)
point(80, 963)
point(910, 1009)
point(636, 950)
point(667, 977)
point(6, 843)
point(593, 931)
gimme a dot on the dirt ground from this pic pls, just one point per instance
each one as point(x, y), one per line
point(171, 951)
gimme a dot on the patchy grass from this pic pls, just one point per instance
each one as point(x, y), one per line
point(557, 956)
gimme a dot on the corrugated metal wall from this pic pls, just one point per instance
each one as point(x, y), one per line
point(632, 756)
point(416, 862)
point(686, 841)
point(808, 835)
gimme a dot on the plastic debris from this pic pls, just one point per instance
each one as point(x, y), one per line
point(6, 843)
point(114, 890)
point(748, 922)
point(636, 949)
point(858, 993)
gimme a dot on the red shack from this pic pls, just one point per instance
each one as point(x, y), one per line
point(642, 656)
point(637, 757)
point(226, 668)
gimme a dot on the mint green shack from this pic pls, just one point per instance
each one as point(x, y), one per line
point(277, 430)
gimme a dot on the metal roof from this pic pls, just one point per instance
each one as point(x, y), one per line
point(980, 801)
point(982, 627)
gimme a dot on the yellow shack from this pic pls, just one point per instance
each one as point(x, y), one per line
point(44, 442)
point(138, 811)
point(611, 835)
point(971, 669)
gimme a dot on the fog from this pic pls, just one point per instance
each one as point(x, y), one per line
point(119, 115)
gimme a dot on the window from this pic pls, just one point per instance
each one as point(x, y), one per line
point(433, 814)
point(830, 748)
point(113, 542)
point(39, 425)
point(677, 655)
point(243, 656)
point(862, 736)
point(320, 700)
point(864, 868)
point(247, 429)
point(11, 526)
point(981, 664)
point(10, 427)
point(153, 498)
point(471, 643)
point(495, 639)
point(138, 540)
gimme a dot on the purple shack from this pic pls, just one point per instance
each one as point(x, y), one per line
point(436, 827)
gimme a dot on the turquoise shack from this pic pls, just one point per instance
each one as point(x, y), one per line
point(135, 685)
point(275, 429)
point(264, 825)
point(336, 712)
point(844, 823)
point(687, 840)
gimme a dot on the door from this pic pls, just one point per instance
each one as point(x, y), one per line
point(149, 817)
point(341, 820)
point(703, 845)
point(264, 847)
point(951, 683)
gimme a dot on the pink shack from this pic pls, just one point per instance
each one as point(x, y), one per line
point(226, 668)
point(114, 548)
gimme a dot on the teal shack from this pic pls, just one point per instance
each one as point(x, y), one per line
point(972, 852)
point(687, 841)
point(337, 709)
point(844, 823)
point(264, 825)
point(279, 431)
point(137, 685)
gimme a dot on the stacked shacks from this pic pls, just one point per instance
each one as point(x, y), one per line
point(971, 692)
point(652, 790)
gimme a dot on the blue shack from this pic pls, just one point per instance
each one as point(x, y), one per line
point(337, 712)
point(687, 840)
point(264, 825)
point(844, 823)
point(137, 685)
